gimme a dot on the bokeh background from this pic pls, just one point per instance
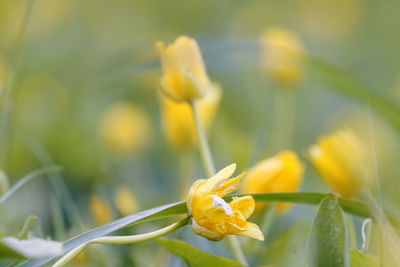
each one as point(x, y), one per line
point(69, 65)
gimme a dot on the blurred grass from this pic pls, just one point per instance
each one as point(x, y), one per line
point(77, 59)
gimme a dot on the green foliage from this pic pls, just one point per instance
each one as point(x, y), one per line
point(147, 215)
point(194, 256)
point(26, 179)
point(361, 259)
point(342, 82)
point(328, 244)
point(179, 208)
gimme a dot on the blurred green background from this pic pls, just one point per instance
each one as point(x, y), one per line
point(69, 61)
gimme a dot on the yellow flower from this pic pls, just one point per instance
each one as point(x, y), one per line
point(214, 218)
point(281, 173)
point(125, 128)
point(184, 75)
point(282, 53)
point(341, 160)
point(177, 117)
point(100, 210)
point(125, 201)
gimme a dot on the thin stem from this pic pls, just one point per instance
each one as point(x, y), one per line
point(205, 151)
point(209, 166)
point(130, 239)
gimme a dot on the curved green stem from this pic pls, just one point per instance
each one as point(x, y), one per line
point(121, 240)
point(209, 166)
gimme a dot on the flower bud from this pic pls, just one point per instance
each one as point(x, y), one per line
point(282, 53)
point(341, 160)
point(281, 173)
point(177, 117)
point(184, 75)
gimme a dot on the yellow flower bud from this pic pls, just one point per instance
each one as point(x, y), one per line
point(125, 128)
point(281, 173)
point(177, 117)
point(282, 53)
point(184, 75)
point(214, 218)
point(341, 160)
point(100, 210)
point(125, 201)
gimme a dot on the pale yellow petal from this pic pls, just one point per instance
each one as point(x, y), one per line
point(253, 231)
point(227, 186)
point(244, 204)
point(212, 182)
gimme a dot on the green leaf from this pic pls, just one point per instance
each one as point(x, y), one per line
point(28, 227)
point(194, 256)
point(351, 206)
point(147, 215)
point(344, 83)
point(361, 259)
point(179, 208)
point(328, 244)
point(26, 179)
point(11, 247)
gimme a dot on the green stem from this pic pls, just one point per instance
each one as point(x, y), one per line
point(209, 166)
point(130, 239)
point(205, 151)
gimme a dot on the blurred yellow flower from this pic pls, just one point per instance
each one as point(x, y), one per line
point(281, 173)
point(214, 218)
point(341, 160)
point(184, 75)
point(282, 53)
point(125, 202)
point(125, 128)
point(100, 210)
point(177, 117)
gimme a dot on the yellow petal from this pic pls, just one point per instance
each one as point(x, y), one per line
point(218, 178)
point(253, 231)
point(210, 235)
point(227, 186)
point(244, 204)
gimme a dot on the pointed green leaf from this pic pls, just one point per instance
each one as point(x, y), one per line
point(194, 256)
point(147, 215)
point(328, 245)
point(28, 227)
point(361, 259)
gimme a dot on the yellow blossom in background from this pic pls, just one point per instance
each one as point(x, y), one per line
point(177, 117)
point(100, 210)
point(125, 128)
point(214, 218)
point(184, 75)
point(125, 202)
point(341, 160)
point(281, 173)
point(282, 53)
